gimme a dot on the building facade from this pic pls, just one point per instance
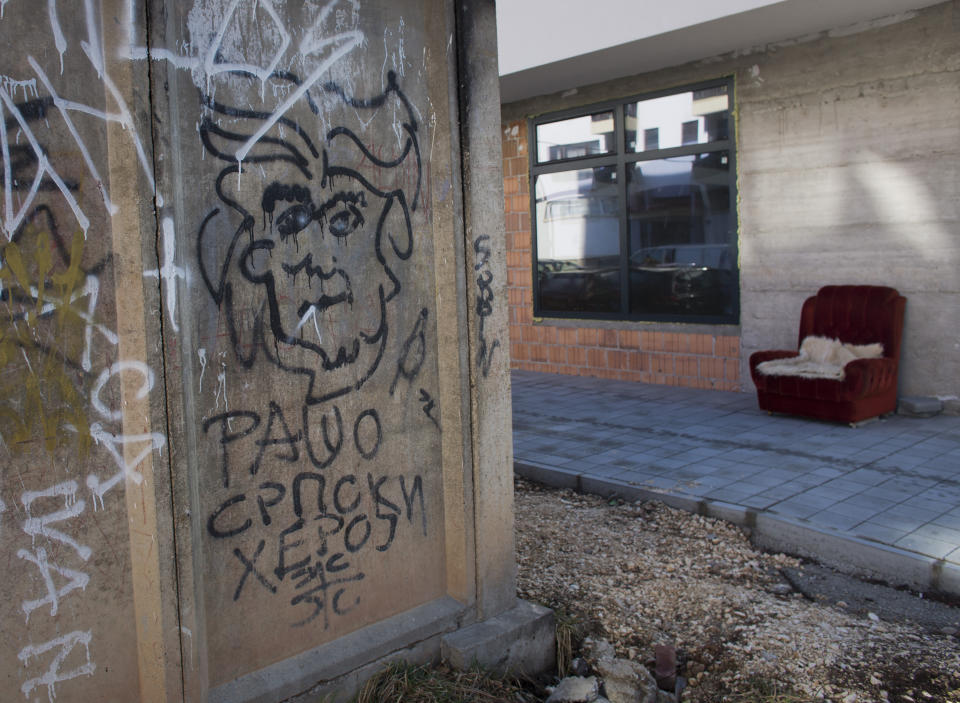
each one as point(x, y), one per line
point(662, 226)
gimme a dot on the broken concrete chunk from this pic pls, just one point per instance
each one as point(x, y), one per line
point(576, 689)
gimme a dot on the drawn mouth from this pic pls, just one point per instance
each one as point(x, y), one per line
point(325, 300)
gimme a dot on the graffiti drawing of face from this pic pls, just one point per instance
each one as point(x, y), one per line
point(322, 228)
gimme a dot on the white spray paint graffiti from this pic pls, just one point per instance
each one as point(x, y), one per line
point(202, 356)
point(77, 579)
point(53, 675)
point(40, 526)
point(332, 37)
point(169, 272)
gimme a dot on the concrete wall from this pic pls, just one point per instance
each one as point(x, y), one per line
point(848, 146)
point(252, 344)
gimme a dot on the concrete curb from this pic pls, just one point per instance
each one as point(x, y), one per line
point(842, 551)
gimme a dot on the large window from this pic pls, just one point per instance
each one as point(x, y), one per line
point(635, 209)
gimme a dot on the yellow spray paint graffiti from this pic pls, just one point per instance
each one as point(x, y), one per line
point(43, 338)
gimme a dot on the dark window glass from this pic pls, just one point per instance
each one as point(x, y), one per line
point(691, 117)
point(588, 135)
point(647, 232)
point(682, 260)
point(578, 240)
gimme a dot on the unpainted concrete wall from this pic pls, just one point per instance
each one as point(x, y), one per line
point(848, 170)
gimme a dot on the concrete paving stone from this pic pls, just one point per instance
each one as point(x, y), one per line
point(670, 463)
point(628, 462)
point(789, 508)
point(757, 502)
point(879, 532)
point(930, 547)
point(713, 481)
point(740, 473)
point(937, 443)
point(950, 519)
point(613, 453)
point(868, 457)
point(728, 495)
point(837, 487)
point(837, 520)
point(745, 453)
point(694, 488)
point(894, 495)
point(926, 453)
point(867, 477)
point(659, 483)
point(765, 480)
point(861, 501)
point(911, 482)
point(938, 532)
point(906, 522)
point(928, 506)
point(948, 493)
point(948, 463)
point(662, 451)
point(782, 491)
point(815, 501)
point(721, 461)
point(606, 471)
point(901, 460)
point(828, 472)
point(637, 477)
point(694, 471)
point(939, 474)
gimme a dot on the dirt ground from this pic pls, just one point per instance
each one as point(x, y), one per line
point(645, 574)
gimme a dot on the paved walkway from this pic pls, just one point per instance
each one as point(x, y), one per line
point(818, 487)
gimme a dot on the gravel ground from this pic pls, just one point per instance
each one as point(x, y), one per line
point(644, 574)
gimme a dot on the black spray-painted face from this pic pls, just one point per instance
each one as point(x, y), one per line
point(320, 224)
point(316, 261)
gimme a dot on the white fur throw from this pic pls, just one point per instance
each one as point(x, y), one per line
point(820, 357)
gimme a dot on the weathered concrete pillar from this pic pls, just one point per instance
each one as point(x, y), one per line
point(255, 420)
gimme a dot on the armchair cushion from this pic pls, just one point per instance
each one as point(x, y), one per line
point(820, 357)
point(854, 315)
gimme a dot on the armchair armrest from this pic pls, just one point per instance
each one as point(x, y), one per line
point(863, 377)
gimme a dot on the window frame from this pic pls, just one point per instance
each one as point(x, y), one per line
point(621, 160)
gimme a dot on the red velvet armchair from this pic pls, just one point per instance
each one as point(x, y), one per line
point(854, 315)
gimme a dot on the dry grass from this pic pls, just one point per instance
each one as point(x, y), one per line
point(404, 683)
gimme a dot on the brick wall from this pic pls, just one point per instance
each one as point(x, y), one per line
point(630, 354)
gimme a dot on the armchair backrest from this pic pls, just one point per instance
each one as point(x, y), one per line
point(856, 315)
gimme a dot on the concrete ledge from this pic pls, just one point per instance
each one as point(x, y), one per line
point(736, 514)
point(521, 641)
point(845, 552)
point(541, 473)
point(946, 577)
point(413, 635)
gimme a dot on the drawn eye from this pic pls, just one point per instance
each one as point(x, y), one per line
point(344, 221)
point(294, 219)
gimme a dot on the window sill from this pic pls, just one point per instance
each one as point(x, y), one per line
point(716, 329)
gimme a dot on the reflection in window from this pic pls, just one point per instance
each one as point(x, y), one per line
point(651, 139)
point(588, 135)
point(578, 240)
point(682, 261)
point(692, 117)
point(658, 242)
